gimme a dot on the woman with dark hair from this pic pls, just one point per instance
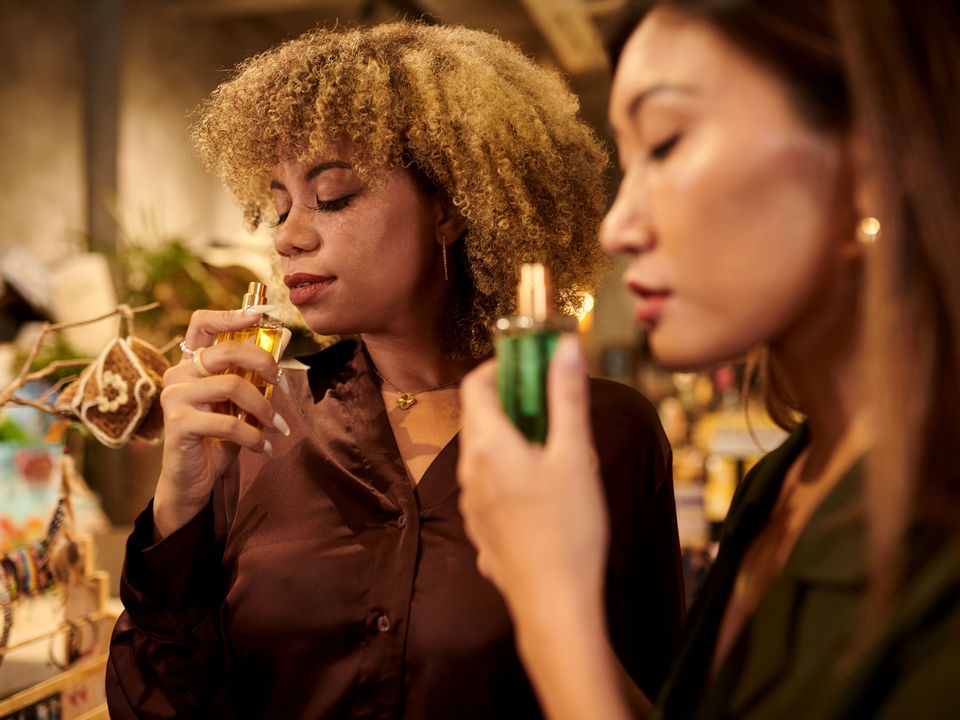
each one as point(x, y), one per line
point(763, 145)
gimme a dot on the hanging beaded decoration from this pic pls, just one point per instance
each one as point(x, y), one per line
point(7, 604)
point(26, 570)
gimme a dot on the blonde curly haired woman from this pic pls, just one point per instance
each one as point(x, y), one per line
point(320, 568)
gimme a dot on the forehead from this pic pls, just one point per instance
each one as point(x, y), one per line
point(673, 48)
point(292, 160)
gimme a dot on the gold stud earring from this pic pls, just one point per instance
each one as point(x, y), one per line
point(443, 252)
point(868, 229)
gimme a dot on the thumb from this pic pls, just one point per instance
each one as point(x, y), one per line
point(285, 336)
point(568, 394)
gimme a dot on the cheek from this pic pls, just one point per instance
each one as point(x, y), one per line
point(746, 240)
point(384, 263)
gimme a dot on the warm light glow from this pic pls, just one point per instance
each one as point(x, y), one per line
point(869, 229)
point(587, 307)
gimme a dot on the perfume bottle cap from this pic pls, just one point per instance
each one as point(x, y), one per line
point(535, 292)
point(256, 295)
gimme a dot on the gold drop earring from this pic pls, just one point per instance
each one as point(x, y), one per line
point(868, 229)
point(443, 252)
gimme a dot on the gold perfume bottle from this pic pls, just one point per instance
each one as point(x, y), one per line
point(524, 346)
point(267, 334)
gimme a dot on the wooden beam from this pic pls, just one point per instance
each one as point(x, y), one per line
point(603, 7)
point(568, 27)
point(103, 36)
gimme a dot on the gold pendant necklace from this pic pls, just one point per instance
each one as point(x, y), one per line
point(406, 400)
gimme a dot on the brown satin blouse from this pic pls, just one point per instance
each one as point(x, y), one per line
point(318, 583)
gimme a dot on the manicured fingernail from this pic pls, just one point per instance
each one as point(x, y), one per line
point(285, 339)
point(282, 382)
point(260, 308)
point(280, 424)
point(268, 448)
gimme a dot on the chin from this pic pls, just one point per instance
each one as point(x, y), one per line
point(694, 352)
point(323, 324)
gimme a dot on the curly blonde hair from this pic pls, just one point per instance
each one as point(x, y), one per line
point(463, 108)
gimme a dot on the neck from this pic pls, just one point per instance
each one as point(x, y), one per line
point(413, 362)
point(821, 357)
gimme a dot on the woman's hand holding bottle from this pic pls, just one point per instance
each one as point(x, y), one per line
point(536, 513)
point(194, 454)
point(538, 517)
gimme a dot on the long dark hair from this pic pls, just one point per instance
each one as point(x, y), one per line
point(904, 68)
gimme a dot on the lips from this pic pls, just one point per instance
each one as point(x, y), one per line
point(651, 303)
point(305, 287)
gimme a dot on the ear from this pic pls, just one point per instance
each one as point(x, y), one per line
point(449, 224)
point(864, 196)
point(866, 188)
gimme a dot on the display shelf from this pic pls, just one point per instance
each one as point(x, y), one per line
point(72, 694)
point(41, 678)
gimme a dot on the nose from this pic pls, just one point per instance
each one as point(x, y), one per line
point(626, 229)
point(297, 234)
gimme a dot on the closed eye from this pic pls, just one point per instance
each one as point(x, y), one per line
point(332, 205)
point(661, 151)
point(321, 206)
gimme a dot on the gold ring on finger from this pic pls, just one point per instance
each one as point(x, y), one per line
point(198, 363)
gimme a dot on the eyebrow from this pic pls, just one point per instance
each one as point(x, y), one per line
point(314, 171)
point(637, 101)
point(633, 107)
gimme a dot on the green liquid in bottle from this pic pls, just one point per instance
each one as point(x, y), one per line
point(523, 356)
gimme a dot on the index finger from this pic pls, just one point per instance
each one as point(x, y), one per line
point(478, 397)
point(483, 420)
point(205, 325)
point(568, 394)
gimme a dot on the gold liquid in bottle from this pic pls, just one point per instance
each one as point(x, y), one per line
point(524, 346)
point(267, 334)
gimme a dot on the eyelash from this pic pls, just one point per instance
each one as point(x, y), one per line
point(321, 206)
point(661, 151)
point(332, 205)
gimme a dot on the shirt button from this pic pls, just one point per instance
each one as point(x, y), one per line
point(383, 623)
point(402, 522)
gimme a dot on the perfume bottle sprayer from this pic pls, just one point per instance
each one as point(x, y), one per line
point(267, 334)
point(524, 346)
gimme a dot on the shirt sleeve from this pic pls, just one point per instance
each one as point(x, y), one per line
point(166, 653)
point(645, 593)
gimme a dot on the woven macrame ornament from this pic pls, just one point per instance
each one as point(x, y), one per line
point(115, 396)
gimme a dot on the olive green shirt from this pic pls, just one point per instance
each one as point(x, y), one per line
point(793, 658)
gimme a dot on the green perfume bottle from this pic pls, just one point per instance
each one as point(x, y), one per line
point(524, 346)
